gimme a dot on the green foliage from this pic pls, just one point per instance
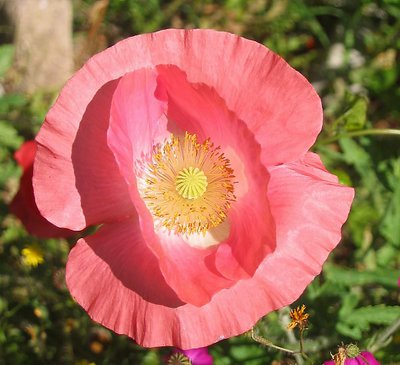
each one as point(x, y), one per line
point(6, 56)
point(143, 15)
point(391, 220)
point(9, 136)
point(355, 322)
point(349, 277)
point(355, 117)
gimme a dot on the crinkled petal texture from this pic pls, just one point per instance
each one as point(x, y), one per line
point(155, 285)
point(23, 204)
point(358, 360)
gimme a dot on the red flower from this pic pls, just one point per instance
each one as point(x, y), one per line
point(190, 148)
point(23, 205)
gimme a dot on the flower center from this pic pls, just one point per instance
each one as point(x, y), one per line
point(188, 186)
point(191, 183)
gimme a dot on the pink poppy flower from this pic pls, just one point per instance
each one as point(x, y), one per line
point(358, 360)
point(190, 148)
point(198, 356)
point(23, 205)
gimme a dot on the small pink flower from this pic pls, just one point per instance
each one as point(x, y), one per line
point(358, 360)
point(23, 205)
point(190, 149)
point(198, 356)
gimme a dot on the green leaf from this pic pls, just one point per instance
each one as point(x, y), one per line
point(360, 320)
point(6, 57)
point(243, 352)
point(374, 314)
point(391, 222)
point(352, 332)
point(354, 154)
point(350, 301)
point(356, 115)
point(390, 227)
point(9, 136)
point(350, 277)
point(316, 290)
point(151, 358)
point(10, 102)
point(362, 218)
point(386, 255)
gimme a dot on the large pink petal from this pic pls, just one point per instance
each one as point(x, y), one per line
point(194, 274)
point(76, 179)
point(121, 246)
point(198, 109)
point(309, 208)
point(137, 121)
point(186, 270)
point(277, 103)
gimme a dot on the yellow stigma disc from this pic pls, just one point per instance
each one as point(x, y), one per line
point(191, 183)
point(187, 186)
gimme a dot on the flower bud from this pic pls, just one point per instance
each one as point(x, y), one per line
point(352, 351)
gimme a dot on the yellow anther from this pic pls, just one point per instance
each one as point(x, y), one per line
point(188, 186)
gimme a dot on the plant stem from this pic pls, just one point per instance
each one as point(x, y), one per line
point(382, 338)
point(302, 344)
point(265, 342)
point(284, 320)
point(364, 132)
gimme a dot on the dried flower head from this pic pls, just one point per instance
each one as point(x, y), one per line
point(340, 357)
point(179, 359)
point(351, 355)
point(298, 318)
point(349, 351)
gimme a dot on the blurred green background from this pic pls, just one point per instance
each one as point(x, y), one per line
point(350, 51)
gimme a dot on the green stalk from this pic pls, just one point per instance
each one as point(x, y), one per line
point(265, 342)
point(284, 320)
point(364, 132)
point(384, 336)
point(301, 338)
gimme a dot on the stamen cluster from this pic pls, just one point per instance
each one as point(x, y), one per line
point(188, 186)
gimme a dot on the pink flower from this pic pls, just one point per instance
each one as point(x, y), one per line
point(198, 356)
point(358, 360)
point(23, 205)
point(190, 149)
